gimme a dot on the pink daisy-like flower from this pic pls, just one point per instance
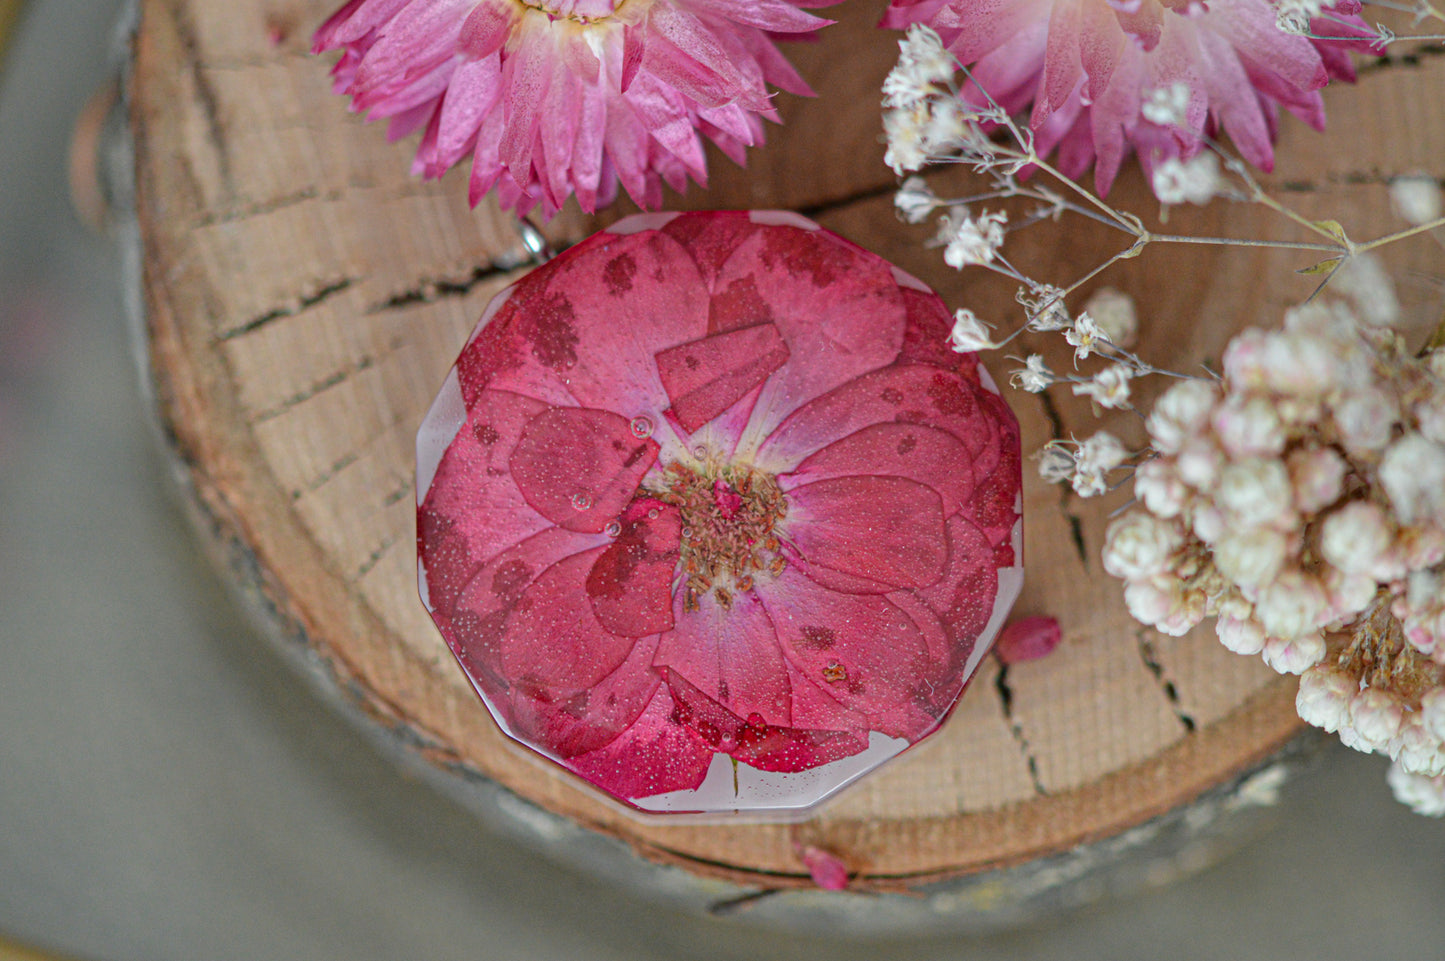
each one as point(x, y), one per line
point(555, 97)
point(712, 516)
point(1088, 67)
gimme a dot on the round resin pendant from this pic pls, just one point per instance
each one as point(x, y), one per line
point(713, 517)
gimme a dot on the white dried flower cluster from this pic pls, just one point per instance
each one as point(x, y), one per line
point(924, 120)
point(1418, 750)
point(1166, 106)
point(1044, 306)
point(1294, 16)
point(1085, 336)
point(1108, 388)
point(1423, 795)
point(971, 240)
point(1301, 490)
point(1416, 198)
point(1083, 464)
point(1303, 497)
point(969, 333)
point(915, 200)
point(1034, 376)
point(924, 67)
point(1114, 312)
point(1196, 180)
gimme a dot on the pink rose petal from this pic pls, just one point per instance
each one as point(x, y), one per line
point(798, 278)
point(706, 377)
point(914, 452)
point(554, 646)
point(885, 528)
point(732, 656)
point(765, 746)
point(481, 616)
point(825, 868)
point(631, 584)
point(652, 756)
point(911, 393)
point(591, 719)
point(1027, 639)
point(579, 467)
point(867, 653)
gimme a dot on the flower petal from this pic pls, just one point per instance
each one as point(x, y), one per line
point(486, 28)
point(476, 624)
point(631, 583)
point(469, 495)
point(579, 467)
point(964, 597)
point(884, 528)
point(706, 377)
point(752, 740)
point(730, 655)
point(906, 393)
point(646, 278)
point(866, 651)
point(799, 276)
point(710, 241)
point(553, 645)
point(652, 756)
point(926, 455)
point(593, 718)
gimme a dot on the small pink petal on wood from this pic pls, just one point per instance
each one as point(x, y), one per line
point(1027, 639)
point(825, 868)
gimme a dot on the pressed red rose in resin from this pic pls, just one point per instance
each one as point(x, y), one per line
point(711, 515)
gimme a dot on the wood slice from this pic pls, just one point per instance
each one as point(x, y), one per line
point(304, 296)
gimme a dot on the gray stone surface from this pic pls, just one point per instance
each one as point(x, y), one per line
point(169, 789)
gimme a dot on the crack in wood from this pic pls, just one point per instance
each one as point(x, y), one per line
point(431, 290)
point(730, 906)
point(325, 477)
point(1407, 61)
point(217, 218)
point(819, 210)
point(1005, 696)
point(302, 305)
point(374, 558)
point(1353, 178)
point(1150, 656)
point(320, 387)
point(206, 97)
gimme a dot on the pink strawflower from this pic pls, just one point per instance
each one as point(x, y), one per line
point(556, 97)
point(1105, 77)
point(714, 486)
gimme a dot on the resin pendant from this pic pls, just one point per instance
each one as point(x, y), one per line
point(713, 517)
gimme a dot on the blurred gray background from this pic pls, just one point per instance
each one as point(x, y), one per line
point(170, 790)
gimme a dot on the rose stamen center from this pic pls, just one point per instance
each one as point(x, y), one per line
point(729, 515)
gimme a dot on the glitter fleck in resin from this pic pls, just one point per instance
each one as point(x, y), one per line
point(712, 517)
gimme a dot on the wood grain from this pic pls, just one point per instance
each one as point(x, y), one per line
point(304, 297)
